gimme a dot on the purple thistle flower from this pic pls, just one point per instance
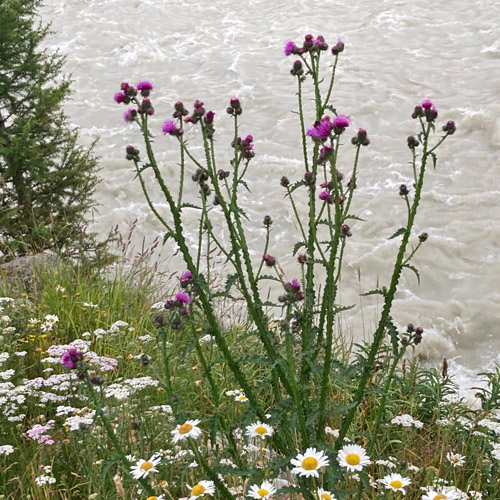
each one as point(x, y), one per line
point(340, 123)
point(326, 196)
point(145, 85)
point(209, 117)
point(120, 97)
point(321, 129)
point(169, 127)
point(183, 298)
point(71, 358)
point(290, 48)
point(130, 115)
point(427, 104)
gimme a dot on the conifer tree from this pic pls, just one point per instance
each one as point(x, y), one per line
point(46, 178)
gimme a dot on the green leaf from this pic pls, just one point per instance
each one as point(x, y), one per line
point(297, 246)
point(296, 186)
point(108, 464)
point(393, 332)
point(399, 232)
point(415, 270)
point(355, 217)
point(190, 205)
point(434, 159)
point(377, 291)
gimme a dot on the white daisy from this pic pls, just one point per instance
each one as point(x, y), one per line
point(434, 495)
point(455, 459)
point(144, 467)
point(188, 429)
point(324, 495)
point(241, 398)
point(395, 482)
point(265, 490)
point(46, 326)
point(202, 488)
point(353, 457)
point(51, 318)
point(259, 430)
point(307, 464)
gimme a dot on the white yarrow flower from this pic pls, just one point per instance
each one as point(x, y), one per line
point(307, 464)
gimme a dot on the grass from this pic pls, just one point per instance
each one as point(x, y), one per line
point(164, 377)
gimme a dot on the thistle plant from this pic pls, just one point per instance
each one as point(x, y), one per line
point(297, 355)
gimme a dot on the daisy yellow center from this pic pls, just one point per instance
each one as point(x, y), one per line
point(198, 490)
point(440, 497)
point(185, 428)
point(454, 459)
point(146, 466)
point(325, 496)
point(261, 430)
point(152, 498)
point(262, 492)
point(309, 463)
point(353, 459)
point(242, 396)
point(396, 483)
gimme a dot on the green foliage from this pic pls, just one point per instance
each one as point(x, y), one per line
point(47, 179)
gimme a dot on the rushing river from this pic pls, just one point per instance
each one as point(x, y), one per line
point(397, 54)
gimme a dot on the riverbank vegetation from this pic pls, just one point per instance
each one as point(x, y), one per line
point(115, 386)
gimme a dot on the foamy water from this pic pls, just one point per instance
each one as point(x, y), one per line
point(397, 54)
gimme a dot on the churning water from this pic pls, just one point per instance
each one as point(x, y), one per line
point(397, 54)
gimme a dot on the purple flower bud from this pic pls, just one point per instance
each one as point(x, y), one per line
point(297, 69)
point(341, 198)
point(412, 142)
point(209, 117)
point(268, 221)
point(346, 230)
point(326, 196)
point(309, 179)
point(130, 115)
point(403, 190)
point(235, 103)
point(418, 112)
point(419, 330)
point(450, 127)
point(284, 181)
point(338, 48)
point(426, 104)
point(269, 260)
point(186, 278)
point(290, 48)
point(302, 257)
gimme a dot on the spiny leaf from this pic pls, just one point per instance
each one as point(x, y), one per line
point(399, 232)
point(355, 217)
point(415, 270)
point(190, 205)
point(297, 246)
point(377, 291)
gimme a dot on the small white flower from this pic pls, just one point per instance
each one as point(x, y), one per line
point(144, 467)
point(188, 429)
point(34, 321)
point(353, 457)
point(259, 430)
point(307, 464)
point(202, 488)
point(46, 326)
point(407, 421)
point(396, 482)
point(455, 459)
point(324, 495)
point(241, 398)
point(265, 490)
point(435, 495)
point(51, 318)
point(60, 288)
point(6, 449)
point(89, 304)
